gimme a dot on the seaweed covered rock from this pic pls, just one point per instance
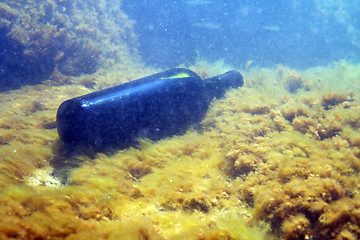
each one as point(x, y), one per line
point(294, 81)
point(48, 39)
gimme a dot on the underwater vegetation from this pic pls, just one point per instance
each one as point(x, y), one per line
point(276, 159)
point(294, 158)
point(56, 39)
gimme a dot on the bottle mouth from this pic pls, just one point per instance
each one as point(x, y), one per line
point(218, 85)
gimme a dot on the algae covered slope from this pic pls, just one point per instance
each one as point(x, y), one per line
point(276, 159)
point(54, 40)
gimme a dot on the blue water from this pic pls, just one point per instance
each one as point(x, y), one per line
point(53, 40)
point(299, 34)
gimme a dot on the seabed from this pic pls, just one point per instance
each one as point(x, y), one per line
point(278, 158)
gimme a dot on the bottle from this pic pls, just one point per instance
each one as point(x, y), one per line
point(154, 107)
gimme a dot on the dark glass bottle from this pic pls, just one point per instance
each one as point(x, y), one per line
point(153, 107)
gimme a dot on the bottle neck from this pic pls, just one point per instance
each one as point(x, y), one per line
point(217, 86)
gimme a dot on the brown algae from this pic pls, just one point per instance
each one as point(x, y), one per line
point(268, 163)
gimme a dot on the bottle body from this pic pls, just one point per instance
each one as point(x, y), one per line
point(153, 107)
